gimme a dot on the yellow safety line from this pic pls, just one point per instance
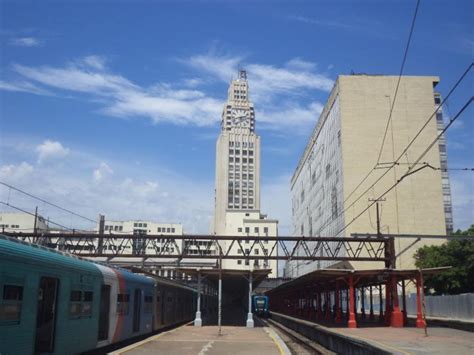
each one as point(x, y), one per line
point(140, 343)
point(276, 343)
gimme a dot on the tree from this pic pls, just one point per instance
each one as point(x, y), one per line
point(456, 253)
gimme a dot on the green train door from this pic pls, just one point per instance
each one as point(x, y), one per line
point(104, 310)
point(137, 309)
point(46, 314)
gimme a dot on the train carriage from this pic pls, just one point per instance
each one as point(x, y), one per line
point(55, 303)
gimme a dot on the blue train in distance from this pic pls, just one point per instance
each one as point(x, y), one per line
point(260, 305)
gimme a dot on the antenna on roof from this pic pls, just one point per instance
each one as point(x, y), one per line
point(242, 74)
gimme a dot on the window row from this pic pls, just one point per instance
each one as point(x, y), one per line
point(255, 251)
point(236, 191)
point(237, 176)
point(244, 168)
point(236, 205)
point(256, 262)
point(237, 200)
point(237, 152)
point(237, 160)
point(166, 230)
point(113, 228)
point(140, 225)
point(255, 229)
point(9, 226)
point(244, 184)
point(238, 144)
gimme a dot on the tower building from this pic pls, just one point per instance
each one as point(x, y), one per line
point(237, 200)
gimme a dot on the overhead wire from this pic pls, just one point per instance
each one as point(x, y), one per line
point(47, 202)
point(410, 171)
point(412, 27)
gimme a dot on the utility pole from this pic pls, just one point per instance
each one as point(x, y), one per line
point(101, 233)
point(390, 262)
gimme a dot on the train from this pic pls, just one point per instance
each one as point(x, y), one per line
point(53, 302)
point(260, 305)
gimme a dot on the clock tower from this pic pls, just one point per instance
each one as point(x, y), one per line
point(237, 155)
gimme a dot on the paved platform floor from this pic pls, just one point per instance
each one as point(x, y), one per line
point(187, 340)
point(413, 340)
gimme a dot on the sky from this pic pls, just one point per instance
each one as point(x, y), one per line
point(113, 107)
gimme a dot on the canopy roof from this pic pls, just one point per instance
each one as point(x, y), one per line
point(328, 278)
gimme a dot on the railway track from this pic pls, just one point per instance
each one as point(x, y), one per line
point(297, 343)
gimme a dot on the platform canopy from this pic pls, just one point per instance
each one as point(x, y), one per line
point(328, 278)
point(229, 276)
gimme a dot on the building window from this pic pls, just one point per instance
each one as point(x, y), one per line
point(250, 160)
point(239, 229)
point(265, 229)
point(251, 152)
point(244, 160)
point(247, 230)
point(256, 229)
point(334, 202)
point(172, 230)
point(246, 261)
point(231, 151)
point(250, 176)
point(328, 170)
point(256, 251)
point(237, 160)
point(437, 100)
point(239, 262)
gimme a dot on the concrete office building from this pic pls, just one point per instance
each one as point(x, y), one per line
point(237, 202)
point(22, 222)
point(345, 146)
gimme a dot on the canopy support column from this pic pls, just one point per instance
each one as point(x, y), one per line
point(198, 320)
point(250, 323)
point(351, 323)
point(396, 319)
point(420, 321)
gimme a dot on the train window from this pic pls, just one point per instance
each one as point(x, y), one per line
point(87, 303)
point(12, 293)
point(76, 296)
point(123, 303)
point(148, 304)
point(75, 306)
point(10, 309)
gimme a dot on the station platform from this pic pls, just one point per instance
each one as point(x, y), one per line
point(412, 340)
point(190, 340)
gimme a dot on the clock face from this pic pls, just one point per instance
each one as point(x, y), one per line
point(240, 116)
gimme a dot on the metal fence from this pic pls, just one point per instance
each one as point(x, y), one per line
point(450, 306)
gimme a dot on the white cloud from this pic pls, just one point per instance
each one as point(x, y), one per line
point(16, 172)
point(102, 172)
point(122, 98)
point(154, 193)
point(23, 86)
point(277, 91)
point(297, 74)
point(320, 22)
point(25, 42)
point(95, 61)
point(51, 150)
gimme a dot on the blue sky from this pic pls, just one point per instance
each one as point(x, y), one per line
point(114, 107)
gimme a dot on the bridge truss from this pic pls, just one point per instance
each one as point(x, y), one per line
point(153, 247)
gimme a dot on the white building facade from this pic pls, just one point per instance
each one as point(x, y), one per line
point(22, 222)
point(330, 186)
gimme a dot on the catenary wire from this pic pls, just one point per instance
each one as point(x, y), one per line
point(47, 202)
